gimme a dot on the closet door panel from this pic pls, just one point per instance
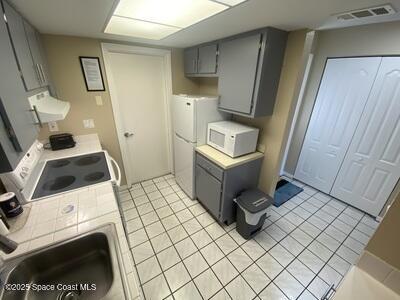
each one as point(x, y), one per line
point(343, 92)
point(371, 167)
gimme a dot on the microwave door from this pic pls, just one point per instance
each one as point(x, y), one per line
point(217, 138)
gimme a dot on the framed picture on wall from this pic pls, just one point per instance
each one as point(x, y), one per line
point(91, 70)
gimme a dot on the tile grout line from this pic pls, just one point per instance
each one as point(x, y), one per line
point(148, 240)
point(173, 245)
point(227, 233)
point(314, 239)
point(254, 261)
point(323, 231)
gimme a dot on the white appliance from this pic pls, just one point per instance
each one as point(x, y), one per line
point(24, 179)
point(191, 114)
point(232, 138)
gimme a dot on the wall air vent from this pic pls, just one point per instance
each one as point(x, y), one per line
point(376, 11)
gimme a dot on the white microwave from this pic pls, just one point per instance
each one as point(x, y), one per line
point(232, 138)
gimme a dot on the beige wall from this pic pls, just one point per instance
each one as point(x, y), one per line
point(376, 39)
point(63, 58)
point(385, 243)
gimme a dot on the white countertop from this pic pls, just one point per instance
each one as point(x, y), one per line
point(225, 161)
point(62, 216)
point(87, 143)
point(358, 284)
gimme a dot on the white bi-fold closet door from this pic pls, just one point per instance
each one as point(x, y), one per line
point(341, 98)
point(371, 167)
point(352, 145)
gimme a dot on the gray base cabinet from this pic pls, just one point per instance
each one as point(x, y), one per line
point(216, 188)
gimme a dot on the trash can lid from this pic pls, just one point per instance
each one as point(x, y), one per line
point(254, 200)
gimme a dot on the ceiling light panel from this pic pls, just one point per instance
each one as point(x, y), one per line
point(179, 13)
point(231, 2)
point(140, 29)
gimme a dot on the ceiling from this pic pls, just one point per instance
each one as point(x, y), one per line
point(88, 18)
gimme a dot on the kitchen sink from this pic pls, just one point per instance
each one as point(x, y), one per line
point(88, 266)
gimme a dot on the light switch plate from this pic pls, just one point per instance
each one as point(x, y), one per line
point(53, 126)
point(89, 123)
point(99, 100)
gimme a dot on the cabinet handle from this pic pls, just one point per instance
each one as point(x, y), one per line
point(42, 73)
point(38, 74)
point(199, 65)
point(194, 66)
point(34, 109)
point(9, 129)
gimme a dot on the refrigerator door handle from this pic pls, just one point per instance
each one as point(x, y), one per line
point(182, 138)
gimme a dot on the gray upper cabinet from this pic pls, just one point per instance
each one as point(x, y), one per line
point(207, 59)
point(28, 50)
point(201, 61)
point(30, 73)
point(17, 129)
point(36, 51)
point(190, 60)
point(249, 68)
point(238, 61)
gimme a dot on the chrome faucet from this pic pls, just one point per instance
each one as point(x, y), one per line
point(7, 245)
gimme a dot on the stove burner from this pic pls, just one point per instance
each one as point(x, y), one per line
point(70, 173)
point(88, 160)
point(59, 163)
point(94, 176)
point(59, 183)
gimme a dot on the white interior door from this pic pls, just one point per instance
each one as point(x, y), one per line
point(371, 167)
point(343, 92)
point(138, 86)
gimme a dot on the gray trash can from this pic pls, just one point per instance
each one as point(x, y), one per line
point(251, 212)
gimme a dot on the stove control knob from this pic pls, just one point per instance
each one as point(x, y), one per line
point(25, 169)
point(23, 174)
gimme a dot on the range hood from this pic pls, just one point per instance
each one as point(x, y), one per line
point(49, 108)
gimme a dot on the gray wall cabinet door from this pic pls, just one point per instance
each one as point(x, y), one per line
point(208, 190)
point(15, 116)
point(190, 60)
point(238, 63)
point(207, 61)
point(37, 56)
point(29, 70)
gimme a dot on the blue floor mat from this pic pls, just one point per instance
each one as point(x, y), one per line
point(285, 191)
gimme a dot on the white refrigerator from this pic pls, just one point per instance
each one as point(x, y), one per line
point(191, 114)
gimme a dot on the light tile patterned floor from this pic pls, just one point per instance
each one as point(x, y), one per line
point(181, 252)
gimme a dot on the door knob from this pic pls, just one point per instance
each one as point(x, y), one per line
point(128, 134)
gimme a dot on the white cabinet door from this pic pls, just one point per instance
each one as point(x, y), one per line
point(371, 167)
point(341, 98)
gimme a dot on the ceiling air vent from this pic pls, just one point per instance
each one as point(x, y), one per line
point(383, 10)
